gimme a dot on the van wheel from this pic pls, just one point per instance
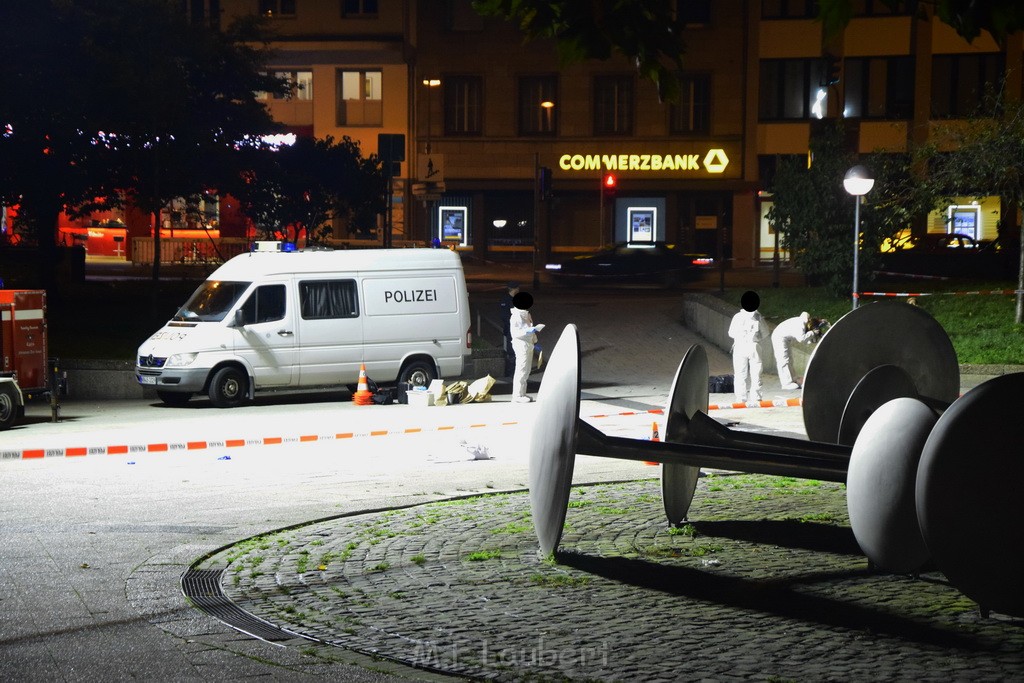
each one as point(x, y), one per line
point(419, 373)
point(173, 398)
point(228, 387)
point(8, 406)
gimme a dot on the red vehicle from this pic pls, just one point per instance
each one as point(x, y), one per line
point(26, 371)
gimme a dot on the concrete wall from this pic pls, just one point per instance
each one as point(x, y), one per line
point(710, 316)
point(706, 314)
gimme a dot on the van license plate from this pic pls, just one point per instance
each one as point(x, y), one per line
point(147, 379)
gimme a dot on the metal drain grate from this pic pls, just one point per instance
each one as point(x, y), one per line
point(202, 587)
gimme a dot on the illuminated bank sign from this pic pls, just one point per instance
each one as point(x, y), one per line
point(708, 163)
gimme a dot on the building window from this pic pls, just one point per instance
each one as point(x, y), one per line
point(359, 97)
point(793, 89)
point(694, 12)
point(354, 9)
point(538, 98)
point(300, 86)
point(201, 12)
point(277, 8)
point(789, 9)
point(463, 105)
point(328, 299)
point(691, 115)
point(881, 8)
point(879, 88)
point(613, 105)
point(960, 83)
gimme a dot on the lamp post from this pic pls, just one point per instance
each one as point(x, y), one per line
point(858, 182)
point(430, 83)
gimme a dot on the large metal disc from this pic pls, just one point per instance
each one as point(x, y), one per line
point(969, 498)
point(880, 484)
point(875, 389)
point(882, 333)
point(553, 441)
point(689, 395)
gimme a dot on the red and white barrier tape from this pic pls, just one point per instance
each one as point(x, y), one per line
point(1006, 292)
point(211, 444)
point(194, 446)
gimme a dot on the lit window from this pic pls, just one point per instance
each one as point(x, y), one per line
point(360, 98)
point(277, 8)
point(538, 96)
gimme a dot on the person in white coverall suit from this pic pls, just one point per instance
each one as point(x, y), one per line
point(799, 329)
point(747, 329)
point(524, 336)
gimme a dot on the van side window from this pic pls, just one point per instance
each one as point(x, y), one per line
point(264, 305)
point(323, 299)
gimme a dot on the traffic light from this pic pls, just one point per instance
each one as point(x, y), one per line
point(544, 183)
point(609, 183)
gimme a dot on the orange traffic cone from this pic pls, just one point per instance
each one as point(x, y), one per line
point(363, 396)
point(654, 437)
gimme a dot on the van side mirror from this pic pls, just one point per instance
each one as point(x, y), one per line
point(238, 320)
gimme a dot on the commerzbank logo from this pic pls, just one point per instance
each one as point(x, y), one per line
point(714, 161)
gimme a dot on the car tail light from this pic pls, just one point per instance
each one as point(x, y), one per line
point(702, 261)
point(469, 338)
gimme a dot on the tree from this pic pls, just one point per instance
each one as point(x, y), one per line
point(104, 100)
point(648, 33)
point(969, 18)
point(814, 214)
point(986, 157)
point(300, 188)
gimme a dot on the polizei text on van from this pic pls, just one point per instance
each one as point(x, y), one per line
point(403, 296)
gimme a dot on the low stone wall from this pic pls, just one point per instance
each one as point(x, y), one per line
point(115, 379)
point(105, 379)
point(709, 316)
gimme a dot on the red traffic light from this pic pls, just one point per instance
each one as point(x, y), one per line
point(609, 182)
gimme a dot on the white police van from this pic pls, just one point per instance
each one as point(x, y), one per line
point(280, 320)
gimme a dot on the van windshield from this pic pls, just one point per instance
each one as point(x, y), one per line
point(212, 301)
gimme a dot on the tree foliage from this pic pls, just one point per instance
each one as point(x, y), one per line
point(969, 18)
point(986, 157)
point(814, 214)
point(301, 188)
point(103, 99)
point(647, 33)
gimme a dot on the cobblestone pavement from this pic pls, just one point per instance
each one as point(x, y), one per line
point(766, 583)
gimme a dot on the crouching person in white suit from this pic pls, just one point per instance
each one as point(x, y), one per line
point(802, 329)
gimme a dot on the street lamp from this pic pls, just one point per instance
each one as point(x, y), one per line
point(858, 182)
point(547, 106)
point(430, 83)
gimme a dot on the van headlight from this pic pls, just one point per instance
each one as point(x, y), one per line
point(181, 360)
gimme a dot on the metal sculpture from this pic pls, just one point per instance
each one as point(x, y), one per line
point(892, 499)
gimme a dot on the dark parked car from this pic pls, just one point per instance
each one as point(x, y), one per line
point(943, 255)
point(657, 263)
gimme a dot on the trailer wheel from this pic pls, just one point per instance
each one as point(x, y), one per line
point(8, 406)
point(228, 387)
point(173, 398)
point(419, 373)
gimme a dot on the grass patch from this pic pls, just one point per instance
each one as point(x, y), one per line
point(483, 555)
point(981, 327)
point(559, 581)
point(513, 528)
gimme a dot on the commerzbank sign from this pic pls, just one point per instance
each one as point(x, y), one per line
point(707, 162)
